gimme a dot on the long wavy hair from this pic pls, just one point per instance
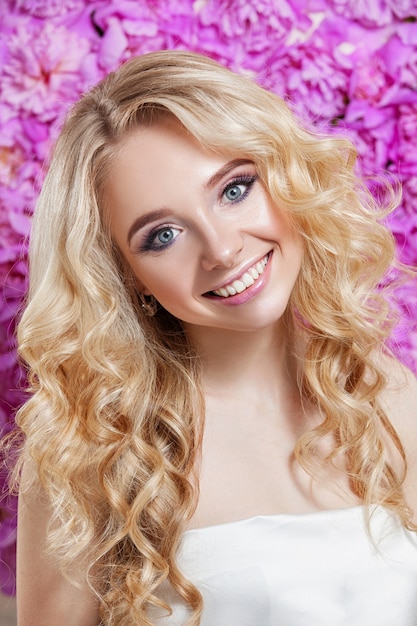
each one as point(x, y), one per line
point(115, 417)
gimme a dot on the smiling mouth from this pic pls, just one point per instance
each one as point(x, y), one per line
point(247, 279)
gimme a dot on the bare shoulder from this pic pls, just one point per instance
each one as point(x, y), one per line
point(399, 399)
point(44, 595)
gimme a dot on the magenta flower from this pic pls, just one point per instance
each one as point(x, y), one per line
point(308, 73)
point(8, 513)
point(410, 197)
point(244, 33)
point(46, 69)
point(373, 13)
point(406, 152)
point(373, 143)
point(404, 339)
point(351, 64)
point(127, 28)
point(46, 8)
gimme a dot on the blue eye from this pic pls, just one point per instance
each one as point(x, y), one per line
point(165, 236)
point(238, 189)
point(160, 238)
point(235, 192)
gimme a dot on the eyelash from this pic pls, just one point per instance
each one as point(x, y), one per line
point(244, 179)
point(149, 242)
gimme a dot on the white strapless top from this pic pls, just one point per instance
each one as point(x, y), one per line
point(315, 569)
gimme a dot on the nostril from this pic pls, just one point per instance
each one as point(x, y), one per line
point(221, 254)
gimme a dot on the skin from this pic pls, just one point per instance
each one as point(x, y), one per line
point(214, 239)
point(253, 411)
point(248, 442)
point(248, 372)
point(44, 596)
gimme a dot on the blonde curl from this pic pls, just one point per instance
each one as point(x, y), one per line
point(116, 414)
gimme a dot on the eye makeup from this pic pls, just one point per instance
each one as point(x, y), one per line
point(159, 238)
point(163, 236)
point(233, 188)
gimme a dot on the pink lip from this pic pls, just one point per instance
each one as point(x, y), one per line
point(238, 275)
point(250, 292)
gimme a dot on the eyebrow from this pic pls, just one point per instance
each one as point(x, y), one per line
point(223, 171)
point(158, 214)
point(141, 221)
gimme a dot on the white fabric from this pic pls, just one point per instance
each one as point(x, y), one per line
point(315, 569)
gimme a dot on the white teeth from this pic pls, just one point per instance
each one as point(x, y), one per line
point(239, 286)
point(245, 281)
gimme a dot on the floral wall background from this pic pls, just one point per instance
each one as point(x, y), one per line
point(349, 65)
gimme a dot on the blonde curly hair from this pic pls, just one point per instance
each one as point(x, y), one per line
point(115, 419)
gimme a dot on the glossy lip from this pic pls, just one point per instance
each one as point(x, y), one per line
point(239, 274)
point(250, 292)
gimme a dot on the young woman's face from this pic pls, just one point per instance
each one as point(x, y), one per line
point(200, 232)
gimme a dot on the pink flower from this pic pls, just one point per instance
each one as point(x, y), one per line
point(308, 73)
point(373, 137)
point(382, 64)
point(112, 45)
point(46, 69)
point(404, 338)
point(373, 13)
point(410, 195)
point(406, 153)
point(46, 8)
point(370, 80)
point(8, 513)
point(350, 63)
point(403, 225)
point(242, 33)
point(127, 28)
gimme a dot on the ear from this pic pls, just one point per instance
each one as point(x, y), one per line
point(141, 287)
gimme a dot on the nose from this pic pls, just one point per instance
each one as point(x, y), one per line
point(222, 244)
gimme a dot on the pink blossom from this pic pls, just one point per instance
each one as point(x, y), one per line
point(12, 149)
point(370, 80)
point(241, 33)
point(410, 195)
point(382, 66)
point(113, 45)
point(403, 225)
point(404, 339)
point(373, 13)
point(350, 63)
point(19, 165)
point(308, 73)
point(46, 8)
point(8, 513)
point(22, 139)
point(127, 28)
point(44, 71)
point(406, 153)
point(372, 144)
point(397, 60)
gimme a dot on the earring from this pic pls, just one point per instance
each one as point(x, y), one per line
point(148, 305)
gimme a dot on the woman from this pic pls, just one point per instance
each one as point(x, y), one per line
point(215, 426)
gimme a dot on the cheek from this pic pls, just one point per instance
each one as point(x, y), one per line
point(288, 232)
point(162, 284)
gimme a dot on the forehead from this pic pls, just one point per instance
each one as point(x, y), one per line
point(157, 167)
point(165, 144)
point(159, 158)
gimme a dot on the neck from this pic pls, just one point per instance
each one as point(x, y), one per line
point(235, 361)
